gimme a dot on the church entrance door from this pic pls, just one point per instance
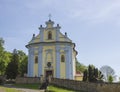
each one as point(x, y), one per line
point(49, 73)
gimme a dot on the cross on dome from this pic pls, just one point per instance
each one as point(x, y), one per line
point(49, 16)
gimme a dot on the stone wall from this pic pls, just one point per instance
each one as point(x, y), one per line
point(108, 87)
point(27, 80)
point(86, 86)
point(75, 85)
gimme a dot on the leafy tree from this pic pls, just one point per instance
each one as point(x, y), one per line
point(4, 57)
point(85, 73)
point(4, 60)
point(2, 63)
point(2, 67)
point(100, 75)
point(7, 57)
point(92, 74)
point(12, 68)
point(1, 44)
point(96, 73)
point(21, 55)
point(23, 66)
point(110, 79)
point(80, 67)
point(22, 62)
point(107, 71)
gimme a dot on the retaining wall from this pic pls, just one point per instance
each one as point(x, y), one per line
point(75, 85)
point(86, 86)
point(27, 80)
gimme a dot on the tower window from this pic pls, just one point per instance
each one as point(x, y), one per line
point(62, 58)
point(49, 35)
point(36, 59)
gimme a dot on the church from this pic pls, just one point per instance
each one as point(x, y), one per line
point(51, 53)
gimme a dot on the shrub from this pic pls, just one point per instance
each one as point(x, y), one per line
point(1, 80)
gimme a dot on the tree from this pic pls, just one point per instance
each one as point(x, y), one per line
point(107, 71)
point(4, 57)
point(1, 44)
point(2, 63)
point(80, 67)
point(100, 76)
point(2, 67)
point(7, 57)
point(4, 60)
point(21, 55)
point(22, 62)
point(110, 79)
point(92, 74)
point(85, 77)
point(12, 68)
point(23, 66)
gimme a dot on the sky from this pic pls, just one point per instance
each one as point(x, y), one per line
point(93, 25)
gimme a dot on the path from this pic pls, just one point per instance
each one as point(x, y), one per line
point(23, 89)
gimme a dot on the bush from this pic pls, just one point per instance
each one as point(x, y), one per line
point(1, 80)
point(10, 82)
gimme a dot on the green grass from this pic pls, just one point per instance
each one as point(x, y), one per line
point(36, 86)
point(29, 86)
point(57, 89)
point(5, 89)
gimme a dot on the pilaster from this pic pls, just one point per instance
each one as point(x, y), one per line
point(31, 62)
point(57, 61)
point(41, 33)
point(40, 61)
point(57, 32)
point(69, 63)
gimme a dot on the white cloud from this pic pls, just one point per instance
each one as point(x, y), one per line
point(96, 11)
point(39, 4)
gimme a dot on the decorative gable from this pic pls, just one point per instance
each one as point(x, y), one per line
point(50, 34)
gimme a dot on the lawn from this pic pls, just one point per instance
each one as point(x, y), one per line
point(36, 86)
point(57, 89)
point(5, 89)
point(29, 86)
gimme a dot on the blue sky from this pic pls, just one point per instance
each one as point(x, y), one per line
point(94, 25)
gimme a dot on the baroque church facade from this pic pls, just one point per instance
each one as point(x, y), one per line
point(51, 53)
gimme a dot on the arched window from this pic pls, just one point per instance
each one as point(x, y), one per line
point(62, 58)
point(36, 59)
point(49, 35)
